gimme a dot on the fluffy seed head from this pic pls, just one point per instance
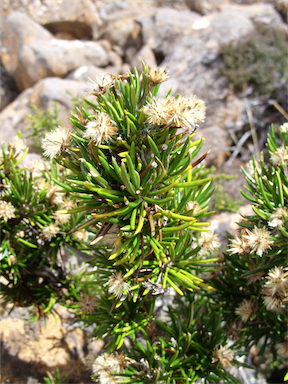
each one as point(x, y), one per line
point(245, 310)
point(87, 303)
point(7, 210)
point(277, 218)
point(209, 242)
point(117, 284)
point(284, 128)
point(106, 362)
point(56, 141)
point(258, 240)
point(223, 355)
point(61, 218)
point(17, 145)
point(50, 231)
point(272, 303)
point(158, 111)
point(277, 281)
point(280, 156)
point(101, 128)
point(157, 75)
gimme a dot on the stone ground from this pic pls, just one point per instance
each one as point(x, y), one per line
point(27, 352)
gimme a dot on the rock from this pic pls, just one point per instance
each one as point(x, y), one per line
point(34, 352)
point(79, 19)
point(123, 32)
point(164, 26)
point(258, 13)
point(205, 6)
point(43, 95)
point(145, 54)
point(8, 88)
point(282, 8)
point(30, 58)
point(90, 71)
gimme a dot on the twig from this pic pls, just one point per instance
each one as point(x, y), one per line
point(279, 108)
point(238, 147)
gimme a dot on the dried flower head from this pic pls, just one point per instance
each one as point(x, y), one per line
point(51, 231)
point(61, 218)
point(41, 183)
point(245, 310)
point(187, 111)
point(193, 206)
point(37, 167)
point(68, 204)
point(101, 128)
point(280, 156)
point(101, 84)
point(277, 281)
point(258, 240)
point(87, 303)
point(7, 210)
point(106, 362)
point(81, 235)
point(209, 242)
point(17, 145)
point(223, 355)
point(277, 218)
point(250, 168)
point(158, 111)
point(56, 141)
point(284, 128)
point(238, 246)
point(53, 195)
point(272, 303)
point(117, 285)
point(255, 276)
point(157, 75)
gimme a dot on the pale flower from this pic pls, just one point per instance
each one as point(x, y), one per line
point(61, 218)
point(277, 218)
point(158, 111)
point(280, 156)
point(245, 310)
point(53, 195)
point(277, 281)
point(101, 128)
point(209, 242)
point(51, 231)
point(284, 128)
point(106, 362)
point(238, 246)
point(157, 75)
point(223, 355)
point(258, 240)
point(272, 303)
point(7, 210)
point(193, 206)
point(17, 145)
point(250, 168)
point(117, 284)
point(87, 303)
point(81, 235)
point(187, 111)
point(37, 167)
point(101, 84)
point(56, 141)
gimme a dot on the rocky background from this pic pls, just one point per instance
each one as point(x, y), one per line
point(49, 48)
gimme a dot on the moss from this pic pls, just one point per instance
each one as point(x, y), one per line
point(260, 60)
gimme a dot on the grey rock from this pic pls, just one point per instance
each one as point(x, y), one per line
point(43, 95)
point(144, 54)
point(78, 18)
point(32, 57)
